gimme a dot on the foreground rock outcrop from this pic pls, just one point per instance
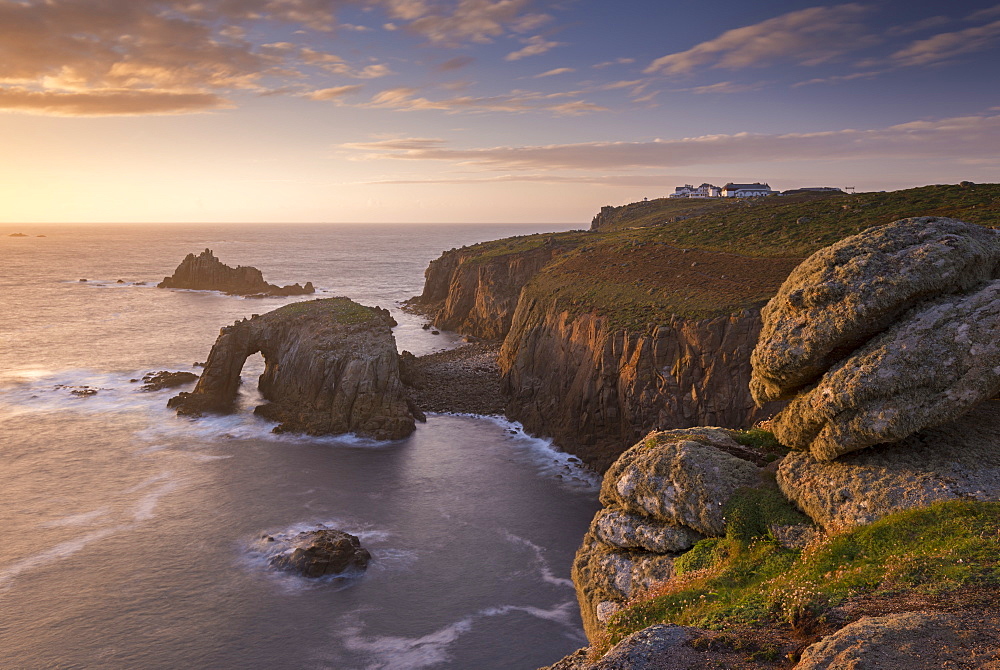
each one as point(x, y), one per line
point(330, 367)
point(660, 497)
point(958, 460)
point(882, 335)
point(205, 272)
point(318, 553)
point(848, 292)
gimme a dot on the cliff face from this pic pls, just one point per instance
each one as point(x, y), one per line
point(330, 367)
point(477, 295)
point(205, 272)
point(596, 389)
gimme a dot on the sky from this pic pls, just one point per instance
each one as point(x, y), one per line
point(466, 111)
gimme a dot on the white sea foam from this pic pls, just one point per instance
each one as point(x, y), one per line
point(540, 562)
point(83, 519)
point(146, 506)
point(56, 553)
point(387, 652)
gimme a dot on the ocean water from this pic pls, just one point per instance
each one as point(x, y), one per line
point(131, 536)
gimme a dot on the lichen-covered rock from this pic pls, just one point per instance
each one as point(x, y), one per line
point(331, 367)
point(909, 641)
point(938, 362)
point(156, 381)
point(634, 531)
point(953, 461)
point(603, 573)
point(318, 553)
point(845, 293)
point(680, 477)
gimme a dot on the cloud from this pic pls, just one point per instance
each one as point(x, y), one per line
point(408, 99)
point(946, 46)
point(840, 77)
point(537, 45)
point(556, 71)
point(108, 102)
point(597, 180)
point(806, 36)
point(726, 87)
point(964, 138)
point(455, 63)
point(987, 13)
point(617, 61)
point(478, 21)
point(333, 93)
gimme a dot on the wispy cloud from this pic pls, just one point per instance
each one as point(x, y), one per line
point(409, 99)
point(946, 46)
point(555, 72)
point(617, 61)
point(727, 87)
point(108, 102)
point(971, 137)
point(536, 46)
point(333, 93)
point(456, 63)
point(806, 36)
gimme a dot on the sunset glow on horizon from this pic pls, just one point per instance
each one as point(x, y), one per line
point(477, 110)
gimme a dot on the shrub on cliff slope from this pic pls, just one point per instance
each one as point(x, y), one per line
point(931, 550)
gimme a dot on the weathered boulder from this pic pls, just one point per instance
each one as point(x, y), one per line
point(625, 530)
point(205, 272)
point(606, 577)
point(659, 647)
point(318, 553)
point(938, 362)
point(661, 496)
point(155, 381)
point(331, 367)
point(957, 460)
point(682, 477)
point(909, 641)
point(846, 293)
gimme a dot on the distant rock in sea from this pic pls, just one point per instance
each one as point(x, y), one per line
point(205, 272)
point(318, 553)
point(17, 235)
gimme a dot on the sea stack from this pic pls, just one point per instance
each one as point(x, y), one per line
point(331, 367)
point(205, 272)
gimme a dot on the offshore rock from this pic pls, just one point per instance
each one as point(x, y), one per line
point(938, 362)
point(595, 388)
point(318, 553)
point(330, 367)
point(959, 460)
point(155, 381)
point(846, 293)
point(682, 477)
point(205, 272)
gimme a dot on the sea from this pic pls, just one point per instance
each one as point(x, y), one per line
point(132, 538)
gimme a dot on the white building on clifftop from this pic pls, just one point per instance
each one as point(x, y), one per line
point(704, 191)
point(746, 190)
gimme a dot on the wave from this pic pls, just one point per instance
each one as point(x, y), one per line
point(540, 562)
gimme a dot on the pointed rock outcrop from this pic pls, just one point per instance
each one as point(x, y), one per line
point(205, 272)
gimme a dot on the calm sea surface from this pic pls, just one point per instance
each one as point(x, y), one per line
point(130, 536)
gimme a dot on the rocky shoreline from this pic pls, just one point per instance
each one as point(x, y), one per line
point(465, 380)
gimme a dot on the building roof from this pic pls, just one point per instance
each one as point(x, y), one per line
point(756, 186)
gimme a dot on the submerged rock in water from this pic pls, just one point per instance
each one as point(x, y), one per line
point(317, 553)
point(154, 381)
point(205, 272)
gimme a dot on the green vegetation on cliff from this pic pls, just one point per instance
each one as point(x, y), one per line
point(340, 310)
point(934, 550)
point(699, 259)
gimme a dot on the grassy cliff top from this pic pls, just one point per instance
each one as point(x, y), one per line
point(937, 550)
point(342, 311)
point(705, 258)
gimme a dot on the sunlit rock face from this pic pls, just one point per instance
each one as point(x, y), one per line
point(331, 367)
point(882, 335)
point(205, 272)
